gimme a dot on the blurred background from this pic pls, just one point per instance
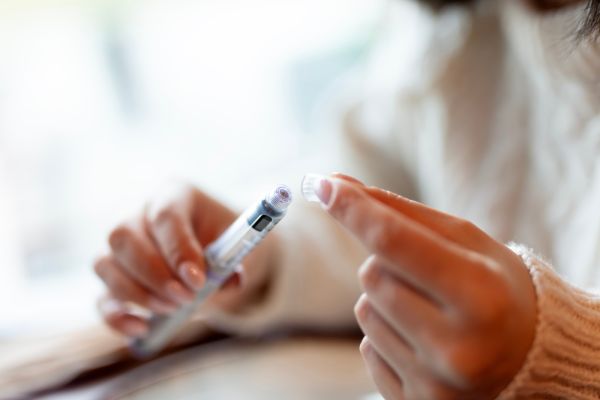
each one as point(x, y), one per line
point(101, 102)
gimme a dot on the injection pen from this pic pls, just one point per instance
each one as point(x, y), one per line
point(222, 257)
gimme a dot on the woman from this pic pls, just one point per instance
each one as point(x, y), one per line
point(494, 117)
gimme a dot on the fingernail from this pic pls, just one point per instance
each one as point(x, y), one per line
point(362, 308)
point(135, 328)
point(316, 188)
point(160, 306)
point(112, 306)
point(347, 178)
point(192, 275)
point(178, 293)
point(371, 278)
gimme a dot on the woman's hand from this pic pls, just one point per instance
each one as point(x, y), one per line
point(448, 312)
point(157, 261)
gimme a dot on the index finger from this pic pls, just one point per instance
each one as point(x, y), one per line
point(449, 226)
point(176, 241)
point(421, 256)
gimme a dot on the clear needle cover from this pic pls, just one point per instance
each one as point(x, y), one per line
point(309, 187)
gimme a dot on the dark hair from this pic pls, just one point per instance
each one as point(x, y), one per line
point(590, 26)
point(439, 4)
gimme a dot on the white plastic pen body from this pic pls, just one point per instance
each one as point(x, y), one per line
point(222, 258)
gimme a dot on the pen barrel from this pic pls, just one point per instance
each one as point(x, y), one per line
point(228, 251)
point(162, 328)
point(222, 257)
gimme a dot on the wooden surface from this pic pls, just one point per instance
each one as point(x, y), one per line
point(292, 368)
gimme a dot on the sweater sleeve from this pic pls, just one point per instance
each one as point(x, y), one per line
point(564, 361)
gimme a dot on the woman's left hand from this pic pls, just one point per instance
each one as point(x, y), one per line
point(448, 312)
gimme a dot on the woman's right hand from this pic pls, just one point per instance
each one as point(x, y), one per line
point(157, 262)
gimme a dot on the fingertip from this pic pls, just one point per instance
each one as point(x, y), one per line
point(100, 265)
point(362, 308)
point(324, 191)
point(343, 197)
point(134, 327)
point(116, 316)
point(311, 187)
point(176, 241)
point(318, 189)
point(129, 325)
point(119, 236)
point(365, 346)
point(110, 306)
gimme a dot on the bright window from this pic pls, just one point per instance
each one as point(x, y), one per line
point(101, 102)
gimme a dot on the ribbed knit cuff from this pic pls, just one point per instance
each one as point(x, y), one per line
point(564, 361)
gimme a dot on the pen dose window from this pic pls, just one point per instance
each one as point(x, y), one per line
point(262, 223)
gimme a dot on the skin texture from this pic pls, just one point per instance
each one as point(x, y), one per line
point(157, 262)
point(447, 312)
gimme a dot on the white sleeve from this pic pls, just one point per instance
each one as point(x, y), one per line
point(313, 281)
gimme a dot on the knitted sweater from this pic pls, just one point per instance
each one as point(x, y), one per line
point(493, 115)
